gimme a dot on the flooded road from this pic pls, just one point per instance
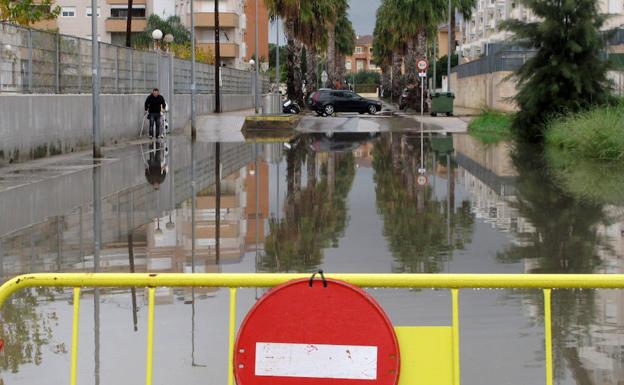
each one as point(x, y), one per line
point(345, 202)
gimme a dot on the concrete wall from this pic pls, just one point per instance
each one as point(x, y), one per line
point(36, 126)
point(492, 91)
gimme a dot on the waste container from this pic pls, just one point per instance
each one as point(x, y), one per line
point(442, 103)
point(271, 104)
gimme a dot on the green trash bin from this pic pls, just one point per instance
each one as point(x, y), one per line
point(442, 103)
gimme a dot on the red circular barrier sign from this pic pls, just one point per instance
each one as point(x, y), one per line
point(301, 335)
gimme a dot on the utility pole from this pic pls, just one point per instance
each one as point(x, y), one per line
point(450, 53)
point(95, 81)
point(217, 60)
point(193, 128)
point(128, 25)
point(258, 90)
point(277, 66)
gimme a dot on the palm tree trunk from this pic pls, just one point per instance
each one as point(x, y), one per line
point(331, 56)
point(294, 76)
point(340, 68)
point(311, 78)
point(397, 61)
point(410, 64)
point(386, 80)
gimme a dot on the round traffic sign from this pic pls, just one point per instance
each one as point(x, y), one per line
point(298, 334)
point(422, 65)
point(422, 180)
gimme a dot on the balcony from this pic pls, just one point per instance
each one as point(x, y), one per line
point(119, 24)
point(226, 19)
point(228, 50)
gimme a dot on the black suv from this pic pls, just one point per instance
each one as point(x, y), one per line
point(326, 102)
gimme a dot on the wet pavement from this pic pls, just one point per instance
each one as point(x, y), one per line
point(343, 199)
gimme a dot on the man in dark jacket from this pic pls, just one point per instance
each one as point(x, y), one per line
point(153, 105)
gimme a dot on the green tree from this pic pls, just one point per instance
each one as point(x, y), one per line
point(345, 44)
point(172, 25)
point(27, 12)
point(567, 73)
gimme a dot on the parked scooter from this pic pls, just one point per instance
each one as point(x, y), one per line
point(290, 107)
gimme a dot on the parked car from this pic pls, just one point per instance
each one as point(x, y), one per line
point(326, 102)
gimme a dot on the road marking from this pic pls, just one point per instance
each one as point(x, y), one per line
point(316, 361)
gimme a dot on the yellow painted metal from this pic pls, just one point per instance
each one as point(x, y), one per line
point(457, 281)
point(150, 337)
point(232, 335)
point(455, 326)
point(548, 336)
point(74, 353)
point(426, 355)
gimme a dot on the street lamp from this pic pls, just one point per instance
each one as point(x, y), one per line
point(156, 35)
point(252, 64)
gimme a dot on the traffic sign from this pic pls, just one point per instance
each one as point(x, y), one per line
point(422, 65)
point(324, 77)
point(302, 334)
point(422, 74)
point(422, 180)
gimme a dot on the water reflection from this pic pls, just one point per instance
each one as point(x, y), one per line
point(422, 229)
point(315, 214)
point(313, 201)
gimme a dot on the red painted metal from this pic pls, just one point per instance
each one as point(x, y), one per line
point(295, 313)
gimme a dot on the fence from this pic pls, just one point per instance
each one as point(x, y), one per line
point(454, 282)
point(33, 61)
point(499, 60)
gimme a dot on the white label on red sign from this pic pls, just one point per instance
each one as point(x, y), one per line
point(316, 361)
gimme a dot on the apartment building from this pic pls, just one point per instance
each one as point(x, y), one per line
point(484, 26)
point(75, 18)
point(237, 28)
point(236, 19)
point(362, 58)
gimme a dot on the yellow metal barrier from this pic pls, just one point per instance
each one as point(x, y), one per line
point(546, 282)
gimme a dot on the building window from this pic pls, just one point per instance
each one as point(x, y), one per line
point(348, 65)
point(360, 65)
point(358, 49)
point(371, 64)
point(370, 50)
point(89, 11)
point(68, 11)
point(121, 11)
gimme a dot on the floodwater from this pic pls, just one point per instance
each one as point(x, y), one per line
point(345, 203)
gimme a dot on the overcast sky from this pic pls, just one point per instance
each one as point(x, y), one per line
point(361, 13)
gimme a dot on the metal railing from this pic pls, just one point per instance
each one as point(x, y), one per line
point(502, 60)
point(35, 61)
point(454, 282)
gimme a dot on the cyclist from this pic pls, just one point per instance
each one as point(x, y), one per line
point(153, 105)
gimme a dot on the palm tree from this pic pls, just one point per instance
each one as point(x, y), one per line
point(289, 11)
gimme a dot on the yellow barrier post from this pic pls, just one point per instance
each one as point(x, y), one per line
point(232, 336)
point(455, 304)
point(548, 336)
point(74, 354)
point(150, 336)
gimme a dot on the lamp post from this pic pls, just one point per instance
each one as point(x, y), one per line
point(254, 86)
point(157, 35)
point(257, 97)
point(95, 81)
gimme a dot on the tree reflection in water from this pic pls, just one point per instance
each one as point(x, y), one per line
point(26, 330)
point(315, 215)
point(565, 241)
point(416, 224)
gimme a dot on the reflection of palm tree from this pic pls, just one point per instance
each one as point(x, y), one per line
point(25, 330)
point(565, 241)
point(414, 222)
point(316, 216)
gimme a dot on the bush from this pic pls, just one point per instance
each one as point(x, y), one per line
point(593, 135)
point(491, 127)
